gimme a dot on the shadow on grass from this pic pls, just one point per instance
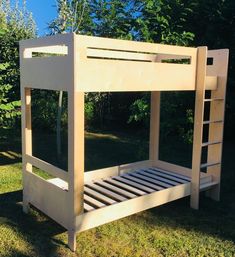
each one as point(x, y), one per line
point(213, 218)
point(10, 151)
point(38, 230)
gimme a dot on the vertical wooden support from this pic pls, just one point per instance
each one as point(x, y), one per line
point(198, 125)
point(26, 130)
point(217, 109)
point(75, 161)
point(26, 140)
point(76, 157)
point(154, 126)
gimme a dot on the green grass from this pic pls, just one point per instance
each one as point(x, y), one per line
point(169, 230)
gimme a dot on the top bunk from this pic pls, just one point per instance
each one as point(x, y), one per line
point(78, 63)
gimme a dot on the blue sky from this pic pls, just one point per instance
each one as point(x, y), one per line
point(43, 11)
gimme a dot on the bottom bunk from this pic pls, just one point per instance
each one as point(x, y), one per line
point(113, 197)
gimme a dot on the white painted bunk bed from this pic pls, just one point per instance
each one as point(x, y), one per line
point(78, 64)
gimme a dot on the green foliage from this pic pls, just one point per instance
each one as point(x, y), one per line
point(139, 110)
point(152, 21)
point(15, 24)
point(45, 107)
point(89, 111)
point(163, 21)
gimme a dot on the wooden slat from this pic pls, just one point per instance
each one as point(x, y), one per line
point(171, 177)
point(107, 192)
point(45, 166)
point(168, 181)
point(116, 189)
point(145, 178)
point(173, 168)
point(153, 186)
point(88, 207)
point(159, 182)
point(98, 195)
point(93, 201)
point(174, 174)
point(125, 186)
point(205, 165)
point(208, 185)
point(212, 121)
point(213, 99)
point(134, 184)
point(211, 143)
point(116, 211)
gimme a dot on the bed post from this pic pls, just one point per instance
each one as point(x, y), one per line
point(26, 130)
point(154, 126)
point(26, 140)
point(198, 125)
point(75, 153)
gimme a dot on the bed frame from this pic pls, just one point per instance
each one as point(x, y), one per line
point(78, 64)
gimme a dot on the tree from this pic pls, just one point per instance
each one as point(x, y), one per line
point(144, 20)
point(15, 24)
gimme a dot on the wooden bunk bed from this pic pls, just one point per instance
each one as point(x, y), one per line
point(78, 64)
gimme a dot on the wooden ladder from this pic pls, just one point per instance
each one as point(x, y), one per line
point(215, 123)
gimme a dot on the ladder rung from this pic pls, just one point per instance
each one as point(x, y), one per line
point(205, 165)
point(211, 143)
point(212, 121)
point(213, 99)
point(208, 185)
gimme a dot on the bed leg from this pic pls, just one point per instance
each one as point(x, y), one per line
point(25, 205)
point(214, 193)
point(72, 240)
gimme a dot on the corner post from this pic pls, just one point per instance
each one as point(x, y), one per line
point(198, 125)
point(154, 126)
point(26, 129)
point(75, 150)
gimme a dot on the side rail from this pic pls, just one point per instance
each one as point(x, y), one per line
point(133, 66)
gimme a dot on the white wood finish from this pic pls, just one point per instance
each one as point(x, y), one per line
point(26, 142)
point(76, 145)
point(115, 170)
point(155, 110)
point(48, 197)
point(125, 186)
point(198, 126)
point(116, 189)
point(45, 166)
point(99, 196)
point(73, 63)
point(126, 208)
point(217, 109)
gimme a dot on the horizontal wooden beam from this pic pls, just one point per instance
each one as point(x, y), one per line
point(47, 167)
point(116, 211)
point(115, 170)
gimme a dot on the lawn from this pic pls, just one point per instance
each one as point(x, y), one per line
point(169, 230)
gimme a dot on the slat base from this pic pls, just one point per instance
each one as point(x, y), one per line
point(114, 197)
